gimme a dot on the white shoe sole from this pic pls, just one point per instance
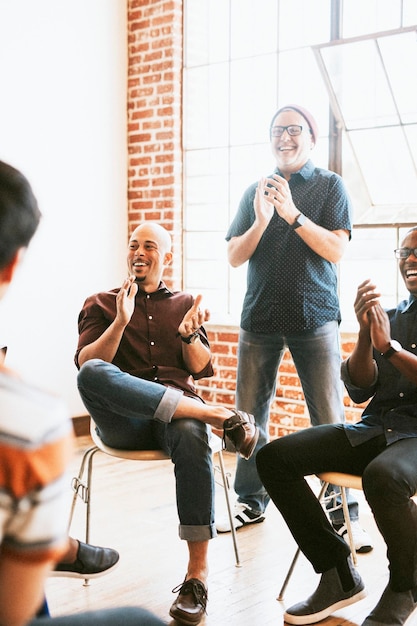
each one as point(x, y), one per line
point(302, 620)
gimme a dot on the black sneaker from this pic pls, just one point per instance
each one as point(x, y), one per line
point(91, 562)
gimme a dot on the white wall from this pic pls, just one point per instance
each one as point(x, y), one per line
point(63, 124)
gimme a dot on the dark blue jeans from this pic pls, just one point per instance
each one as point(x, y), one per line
point(389, 477)
point(135, 414)
point(316, 355)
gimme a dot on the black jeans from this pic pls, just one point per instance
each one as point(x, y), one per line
point(389, 476)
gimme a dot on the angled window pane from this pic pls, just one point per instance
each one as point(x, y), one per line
point(399, 54)
point(390, 176)
point(359, 84)
point(411, 134)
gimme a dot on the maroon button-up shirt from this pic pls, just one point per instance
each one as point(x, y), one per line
point(150, 347)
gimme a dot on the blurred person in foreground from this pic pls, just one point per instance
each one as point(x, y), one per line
point(36, 443)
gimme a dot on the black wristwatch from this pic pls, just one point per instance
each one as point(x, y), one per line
point(191, 338)
point(299, 221)
point(395, 346)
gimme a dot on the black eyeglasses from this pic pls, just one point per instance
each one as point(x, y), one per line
point(404, 253)
point(293, 130)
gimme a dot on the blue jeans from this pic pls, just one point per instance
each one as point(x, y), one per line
point(126, 616)
point(316, 355)
point(389, 479)
point(135, 414)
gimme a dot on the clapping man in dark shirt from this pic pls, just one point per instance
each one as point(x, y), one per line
point(292, 228)
point(382, 448)
point(140, 349)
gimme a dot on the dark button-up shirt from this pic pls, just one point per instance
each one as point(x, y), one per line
point(393, 408)
point(150, 347)
point(290, 288)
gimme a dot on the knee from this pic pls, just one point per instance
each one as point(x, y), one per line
point(383, 484)
point(265, 458)
point(87, 372)
point(187, 431)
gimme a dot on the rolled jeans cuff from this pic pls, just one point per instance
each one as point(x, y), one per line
point(168, 405)
point(197, 533)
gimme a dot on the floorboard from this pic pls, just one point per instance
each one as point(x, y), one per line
point(134, 512)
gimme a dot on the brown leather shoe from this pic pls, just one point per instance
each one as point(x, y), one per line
point(191, 603)
point(241, 431)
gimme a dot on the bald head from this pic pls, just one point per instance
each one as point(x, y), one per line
point(154, 231)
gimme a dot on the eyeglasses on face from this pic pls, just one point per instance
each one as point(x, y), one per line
point(293, 130)
point(404, 253)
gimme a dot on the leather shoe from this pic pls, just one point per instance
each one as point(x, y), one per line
point(91, 562)
point(240, 431)
point(190, 606)
point(393, 608)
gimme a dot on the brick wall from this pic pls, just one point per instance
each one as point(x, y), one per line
point(154, 120)
point(288, 410)
point(155, 183)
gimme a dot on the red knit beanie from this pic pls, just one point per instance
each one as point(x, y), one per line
point(306, 115)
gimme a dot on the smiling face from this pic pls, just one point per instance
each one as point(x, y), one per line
point(291, 153)
point(408, 266)
point(149, 252)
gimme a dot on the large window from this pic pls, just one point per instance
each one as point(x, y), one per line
point(352, 65)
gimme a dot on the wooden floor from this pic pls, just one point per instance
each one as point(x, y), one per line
point(134, 512)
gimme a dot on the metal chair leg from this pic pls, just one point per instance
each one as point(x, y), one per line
point(297, 553)
point(348, 524)
point(82, 490)
point(229, 509)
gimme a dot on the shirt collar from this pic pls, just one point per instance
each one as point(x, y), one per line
point(411, 300)
point(306, 171)
point(161, 289)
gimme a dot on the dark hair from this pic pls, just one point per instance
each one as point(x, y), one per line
point(19, 213)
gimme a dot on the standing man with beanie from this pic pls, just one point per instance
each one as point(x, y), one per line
point(293, 229)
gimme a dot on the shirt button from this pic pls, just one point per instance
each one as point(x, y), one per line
point(150, 317)
point(413, 345)
point(389, 430)
point(401, 395)
point(148, 296)
point(152, 343)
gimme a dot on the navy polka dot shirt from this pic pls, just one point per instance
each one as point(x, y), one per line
point(290, 288)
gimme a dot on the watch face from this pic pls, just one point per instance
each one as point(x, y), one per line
point(396, 346)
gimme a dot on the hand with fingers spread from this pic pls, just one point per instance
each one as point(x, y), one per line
point(194, 318)
point(125, 300)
